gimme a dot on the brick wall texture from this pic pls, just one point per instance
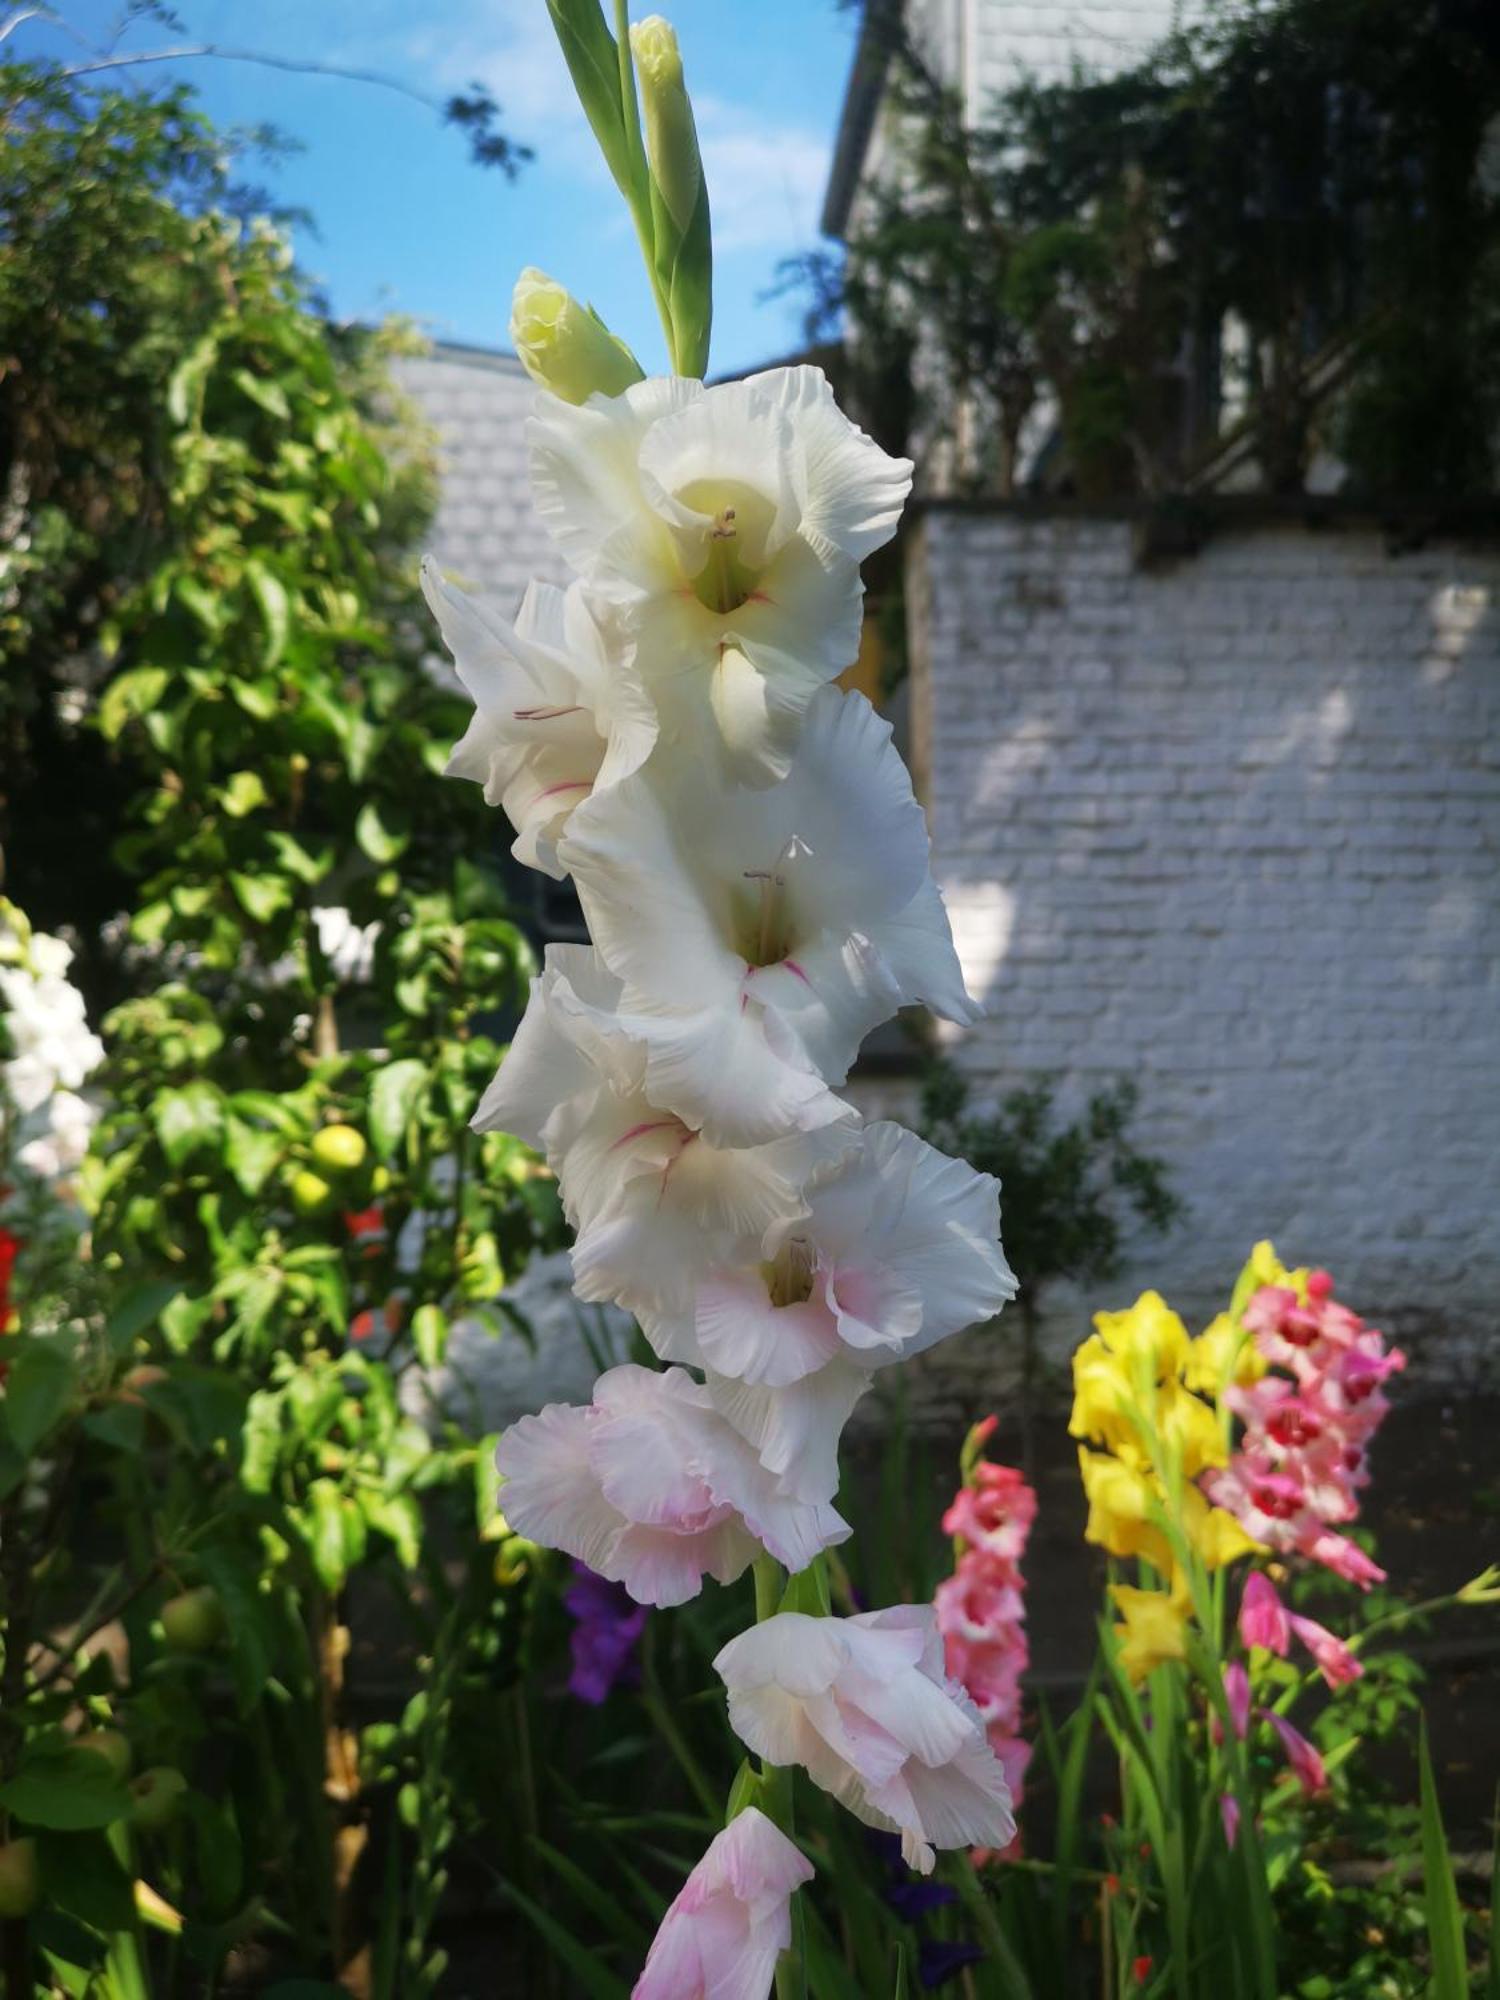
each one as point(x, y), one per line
point(486, 534)
point(1232, 827)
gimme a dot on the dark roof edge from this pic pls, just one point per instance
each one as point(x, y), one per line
point(862, 93)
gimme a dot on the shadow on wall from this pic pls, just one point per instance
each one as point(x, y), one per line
point(1232, 829)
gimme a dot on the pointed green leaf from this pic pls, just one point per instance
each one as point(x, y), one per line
point(394, 1096)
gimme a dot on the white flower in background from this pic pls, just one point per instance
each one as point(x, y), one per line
point(50, 1052)
point(763, 933)
point(557, 714)
point(731, 1919)
point(864, 1706)
point(898, 1248)
point(348, 947)
point(729, 522)
point(650, 1487)
point(51, 1045)
point(651, 1201)
point(57, 1151)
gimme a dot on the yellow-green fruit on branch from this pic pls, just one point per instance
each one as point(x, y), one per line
point(311, 1194)
point(156, 1798)
point(339, 1149)
point(20, 1879)
point(193, 1622)
point(112, 1747)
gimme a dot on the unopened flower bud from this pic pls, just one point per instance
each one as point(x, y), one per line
point(671, 136)
point(564, 346)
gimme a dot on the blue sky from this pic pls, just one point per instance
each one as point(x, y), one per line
point(407, 224)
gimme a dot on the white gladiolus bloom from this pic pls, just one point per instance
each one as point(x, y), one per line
point(731, 1919)
point(763, 933)
point(730, 523)
point(557, 713)
point(864, 1706)
point(649, 1198)
point(651, 1488)
point(899, 1247)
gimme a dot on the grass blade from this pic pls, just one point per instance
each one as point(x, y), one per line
point(1445, 1924)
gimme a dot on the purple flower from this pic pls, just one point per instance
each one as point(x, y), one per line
point(911, 1897)
point(606, 1628)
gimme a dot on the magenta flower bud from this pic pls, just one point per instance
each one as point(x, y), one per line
point(1263, 1619)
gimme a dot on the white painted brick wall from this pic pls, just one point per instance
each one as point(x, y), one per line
point(1232, 828)
point(486, 533)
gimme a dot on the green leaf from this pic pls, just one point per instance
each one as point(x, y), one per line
point(381, 831)
point(589, 1974)
point(593, 60)
point(429, 1333)
point(252, 1153)
point(262, 896)
point(38, 1390)
point(130, 695)
point(690, 290)
point(1445, 1924)
point(275, 609)
point(85, 1879)
point(248, 1614)
point(394, 1095)
point(268, 394)
point(188, 1119)
point(243, 794)
point(69, 1791)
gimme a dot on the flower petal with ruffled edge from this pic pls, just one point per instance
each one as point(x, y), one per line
point(558, 713)
point(899, 1247)
point(775, 926)
point(651, 1488)
point(864, 1705)
point(731, 1920)
point(652, 1202)
point(731, 521)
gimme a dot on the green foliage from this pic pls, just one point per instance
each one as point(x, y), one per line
point(1304, 178)
point(214, 664)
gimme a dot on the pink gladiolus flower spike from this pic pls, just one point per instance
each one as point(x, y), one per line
point(1237, 1695)
point(731, 1920)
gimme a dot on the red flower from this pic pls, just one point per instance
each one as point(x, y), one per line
point(1140, 1969)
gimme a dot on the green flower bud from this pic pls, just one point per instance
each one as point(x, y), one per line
point(671, 136)
point(564, 346)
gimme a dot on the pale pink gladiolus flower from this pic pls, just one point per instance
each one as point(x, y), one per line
point(1263, 1618)
point(651, 1488)
point(1335, 1661)
point(1229, 1812)
point(731, 1920)
point(864, 1706)
point(1307, 1765)
point(1237, 1694)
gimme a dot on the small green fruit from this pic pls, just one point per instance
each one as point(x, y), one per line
point(20, 1879)
point(112, 1747)
point(311, 1194)
point(193, 1622)
point(339, 1149)
point(157, 1797)
point(380, 1180)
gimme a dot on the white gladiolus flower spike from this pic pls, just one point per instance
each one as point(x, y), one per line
point(899, 1248)
point(650, 1200)
point(651, 1488)
point(731, 1919)
point(730, 523)
point(864, 1706)
point(765, 932)
point(557, 713)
